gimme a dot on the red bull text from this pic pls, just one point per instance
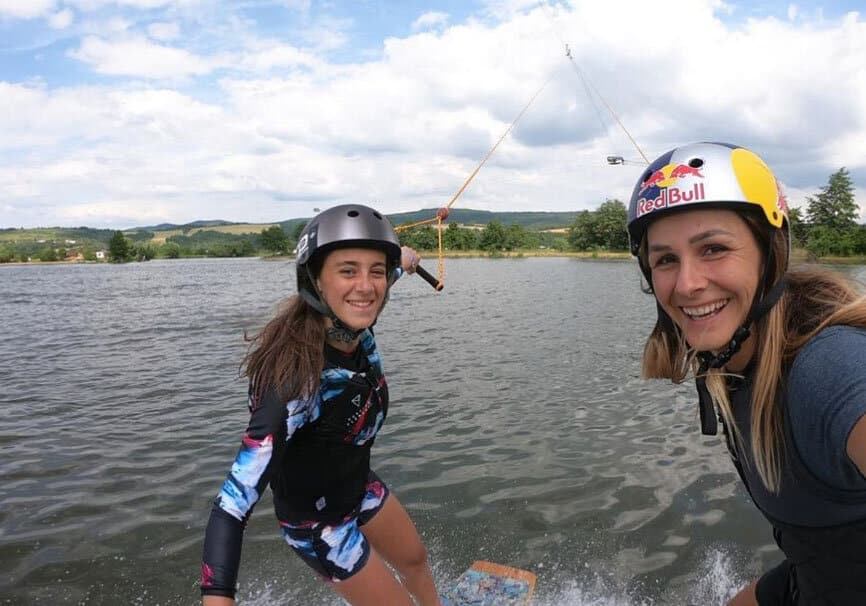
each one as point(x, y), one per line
point(663, 180)
point(670, 196)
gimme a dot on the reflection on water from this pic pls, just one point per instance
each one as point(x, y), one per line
point(519, 433)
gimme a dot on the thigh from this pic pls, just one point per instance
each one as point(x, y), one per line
point(393, 535)
point(373, 585)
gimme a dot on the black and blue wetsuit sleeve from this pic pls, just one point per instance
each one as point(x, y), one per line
point(248, 478)
point(222, 554)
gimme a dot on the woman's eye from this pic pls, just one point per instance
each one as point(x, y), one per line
point(664, 260)
point(715, 249)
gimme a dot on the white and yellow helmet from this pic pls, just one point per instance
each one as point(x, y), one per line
point(705, 175)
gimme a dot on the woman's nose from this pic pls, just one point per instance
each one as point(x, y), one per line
point(691, 277)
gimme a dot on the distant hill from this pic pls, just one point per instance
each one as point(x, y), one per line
point(194, 224)
point(465, 216)
point(530, 220)
point(14, 234)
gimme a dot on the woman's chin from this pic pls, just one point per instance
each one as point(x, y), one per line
point(357, 323)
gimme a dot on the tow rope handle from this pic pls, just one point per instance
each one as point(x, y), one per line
point(429, 278)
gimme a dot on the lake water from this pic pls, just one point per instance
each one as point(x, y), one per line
point(519, 432)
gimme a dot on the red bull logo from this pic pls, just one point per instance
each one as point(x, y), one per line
point(782, 200)
point(664, 179)
point(668, 175)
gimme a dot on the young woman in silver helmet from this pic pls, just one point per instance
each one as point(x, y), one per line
point(778, 356)
point(317, 398)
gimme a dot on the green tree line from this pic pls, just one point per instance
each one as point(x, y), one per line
point(492, 238)
point(827, 226)
point(138, 246)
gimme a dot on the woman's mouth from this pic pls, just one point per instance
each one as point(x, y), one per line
point(699, 312)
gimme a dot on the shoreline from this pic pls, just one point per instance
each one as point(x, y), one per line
point(798, 256)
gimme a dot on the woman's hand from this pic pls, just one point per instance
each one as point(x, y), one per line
point(409, 259)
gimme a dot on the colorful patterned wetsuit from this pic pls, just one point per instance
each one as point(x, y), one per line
point(315, 454)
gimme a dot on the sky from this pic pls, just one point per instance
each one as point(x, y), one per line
point(124, 113)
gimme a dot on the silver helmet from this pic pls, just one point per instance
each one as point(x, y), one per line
point(344, 226)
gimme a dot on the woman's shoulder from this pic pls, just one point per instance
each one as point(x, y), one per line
point(833, 360)
point(826, 396)
point(831, 344)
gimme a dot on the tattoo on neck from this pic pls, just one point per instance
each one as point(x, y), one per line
point(341, 335)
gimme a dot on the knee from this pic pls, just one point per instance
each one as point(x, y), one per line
point(416, 559)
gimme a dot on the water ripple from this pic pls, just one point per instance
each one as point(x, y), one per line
point(519, 432)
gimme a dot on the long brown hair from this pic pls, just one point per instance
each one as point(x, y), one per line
point(287, 354)
point(814, 298)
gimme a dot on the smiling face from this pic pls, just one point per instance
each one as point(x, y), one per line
point(705, 268)
point(353, 283)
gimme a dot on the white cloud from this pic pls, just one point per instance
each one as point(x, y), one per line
point(429, 20)
point(163, 31)
point(288, 127)
point(268, 55)
point(325, 34)
point(116, 212)
point(792, 12)
point(92, 5)
point(61, 19)
point(26, 9)
point(140, 58)
point(507, 9)
point(298, 5)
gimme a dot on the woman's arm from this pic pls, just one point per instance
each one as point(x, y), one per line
point(746, 596)
point(244, 485)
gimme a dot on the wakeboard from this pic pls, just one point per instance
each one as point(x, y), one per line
point(490, 584)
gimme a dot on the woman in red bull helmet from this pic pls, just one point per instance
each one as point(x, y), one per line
point(778, 355)
point(317, 399)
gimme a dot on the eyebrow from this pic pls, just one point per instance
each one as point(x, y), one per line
point(694, 239)
point(349, 262)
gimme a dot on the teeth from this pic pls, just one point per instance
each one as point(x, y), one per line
point(704, 310)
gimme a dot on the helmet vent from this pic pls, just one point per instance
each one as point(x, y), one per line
point(352, 213)
point(376, 214)
point(696, 162)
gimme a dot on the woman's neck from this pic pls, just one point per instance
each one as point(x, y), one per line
point(342, 345)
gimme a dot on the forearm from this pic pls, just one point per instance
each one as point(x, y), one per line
point(221, 556)
point(745, 597)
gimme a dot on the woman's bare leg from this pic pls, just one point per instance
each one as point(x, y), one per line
point(393, 536)
point(373, 585)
